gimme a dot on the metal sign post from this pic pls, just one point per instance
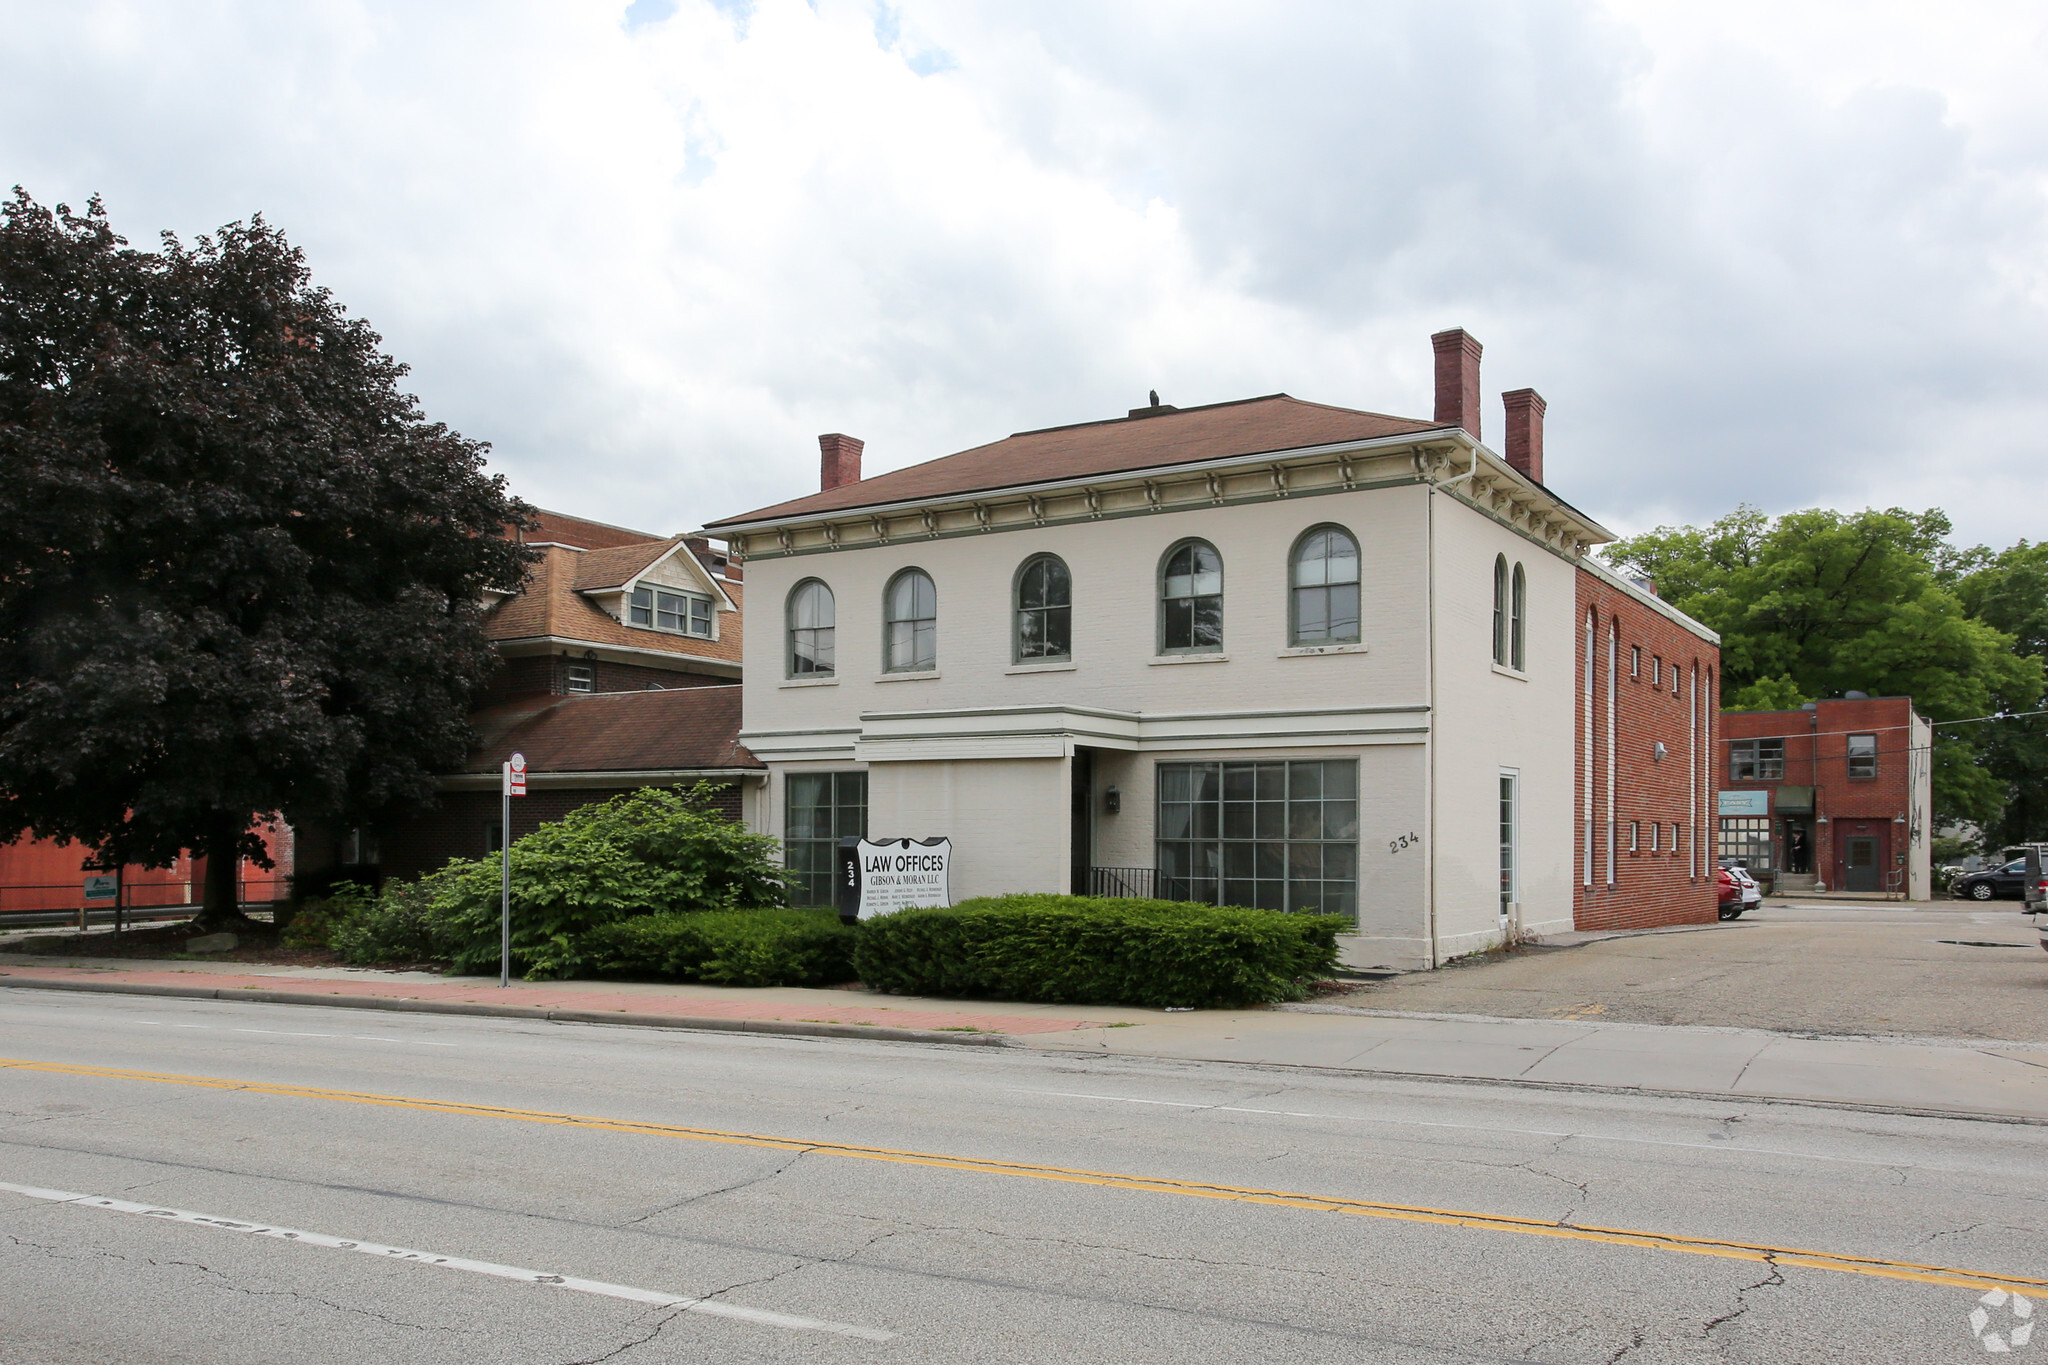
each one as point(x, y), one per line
point(514, 785)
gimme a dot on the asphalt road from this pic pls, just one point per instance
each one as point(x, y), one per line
point(1949, 969)
point(288, 1183)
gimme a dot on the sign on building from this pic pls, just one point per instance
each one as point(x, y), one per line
point(880, 877)
point(1745, 803)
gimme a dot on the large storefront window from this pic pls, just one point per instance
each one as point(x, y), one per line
point(1277, 836)
point(1746, 839)
point(823, 808)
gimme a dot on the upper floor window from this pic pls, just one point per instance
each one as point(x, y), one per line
point(1510, 603)
point(910, 617)
point(1756, 760)
point(1325, 588)
point(1863, 755)
point(1045, 610)
point(683, 613)
point(1635, 661)
point(1656, 669)
point(1517, 618)
point(1191, 599)
point(810, 630)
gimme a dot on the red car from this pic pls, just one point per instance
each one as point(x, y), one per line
point(1730, 901)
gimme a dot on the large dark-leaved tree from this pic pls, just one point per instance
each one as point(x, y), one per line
point(241, 575)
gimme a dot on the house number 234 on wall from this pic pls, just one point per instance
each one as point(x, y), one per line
point(1405, 841)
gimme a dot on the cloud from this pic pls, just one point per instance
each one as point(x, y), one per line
point(649, 250)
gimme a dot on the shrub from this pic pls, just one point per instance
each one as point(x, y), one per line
point(728, 948)
point(651, 851)
point(403, 925)
point(312, 925)
point(1084, 950)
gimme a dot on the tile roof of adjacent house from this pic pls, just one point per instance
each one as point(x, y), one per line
point(552, 605)
point(1250, 426)
point(559, 528)
point(615, 567)
point(615, 732)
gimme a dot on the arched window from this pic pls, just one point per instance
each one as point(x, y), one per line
point(1500, 609)
point(910, 616)
point(1323, 574)
point(1191, 599)
point(1517, 596)
point(1045, 610)
point(810, 630)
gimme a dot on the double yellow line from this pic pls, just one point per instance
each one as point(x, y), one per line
point(1486, 1222)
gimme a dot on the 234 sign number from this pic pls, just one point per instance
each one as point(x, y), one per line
point(1405, 841)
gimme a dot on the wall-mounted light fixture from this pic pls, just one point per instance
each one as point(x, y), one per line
point(1112, 801)
point(1662, 752)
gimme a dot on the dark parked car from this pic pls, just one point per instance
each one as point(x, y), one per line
point(2008, 882)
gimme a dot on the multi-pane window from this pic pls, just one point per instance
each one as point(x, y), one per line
point(579, 678)
point(1756, 760)
point(1863, 755)
point(1045, 610)
point(1517, 629)
point(822, 809)
point(1276, 836)
point(910, 623)
point(1191, 599)
point(810, 630)
point(1746, 841)
point(1508, 870)
point(681, 612)
point(1500, 609)
point(1325, 588)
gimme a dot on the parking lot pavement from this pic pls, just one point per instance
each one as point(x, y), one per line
point(1947, 969)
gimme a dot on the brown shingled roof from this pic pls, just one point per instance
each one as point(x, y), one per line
point(1250, 426)
point(613, 568)
point(551, 605)
point(612, 732)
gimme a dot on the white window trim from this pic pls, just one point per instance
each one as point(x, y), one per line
point(1514, 843)
point(654, 610)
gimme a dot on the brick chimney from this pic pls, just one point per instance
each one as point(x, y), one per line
point(1457, 379)
point(1525, 431)
point(839, 460)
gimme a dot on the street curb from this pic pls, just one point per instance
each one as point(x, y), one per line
point(693, 1023)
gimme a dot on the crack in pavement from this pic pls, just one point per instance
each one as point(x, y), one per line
point(724, 1189)
point(664, 1318)
point(1775, 1280)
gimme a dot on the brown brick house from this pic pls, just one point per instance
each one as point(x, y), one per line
point(1835, 796)
point(620, 670)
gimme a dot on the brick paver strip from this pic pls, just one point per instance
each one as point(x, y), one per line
point(569, 997)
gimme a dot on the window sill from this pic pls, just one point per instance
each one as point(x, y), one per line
point(809, 682)
point(921, 675)
point(1167, 659)
point(1517, 674)
point(1063, 666)
point(1309, 651)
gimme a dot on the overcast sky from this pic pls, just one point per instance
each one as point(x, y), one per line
point(1754, 251)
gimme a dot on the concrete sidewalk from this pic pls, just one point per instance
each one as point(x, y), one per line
point(1938, 1076)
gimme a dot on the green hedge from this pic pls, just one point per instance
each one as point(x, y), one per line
point(1084, 950)
point(727, 948)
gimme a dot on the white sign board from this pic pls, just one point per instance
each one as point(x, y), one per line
point(103, 887)
point(1745, 803)
point(903, 874)
point(515, 776)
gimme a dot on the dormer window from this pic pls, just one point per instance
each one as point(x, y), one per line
point(677, 612)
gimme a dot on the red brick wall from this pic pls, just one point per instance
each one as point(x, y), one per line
point(545, 674)
point(1817, 756)
point(1617, 768)
point(460, 826)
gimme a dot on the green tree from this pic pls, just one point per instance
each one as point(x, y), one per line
point(1816, 603)
point(2008, 590)
point(241, 576)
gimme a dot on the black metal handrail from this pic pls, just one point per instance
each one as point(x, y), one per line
point(1124, 883)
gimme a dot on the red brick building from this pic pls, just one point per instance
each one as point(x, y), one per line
point(621, 669)
point(1647, 700)
point(1835, 796)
